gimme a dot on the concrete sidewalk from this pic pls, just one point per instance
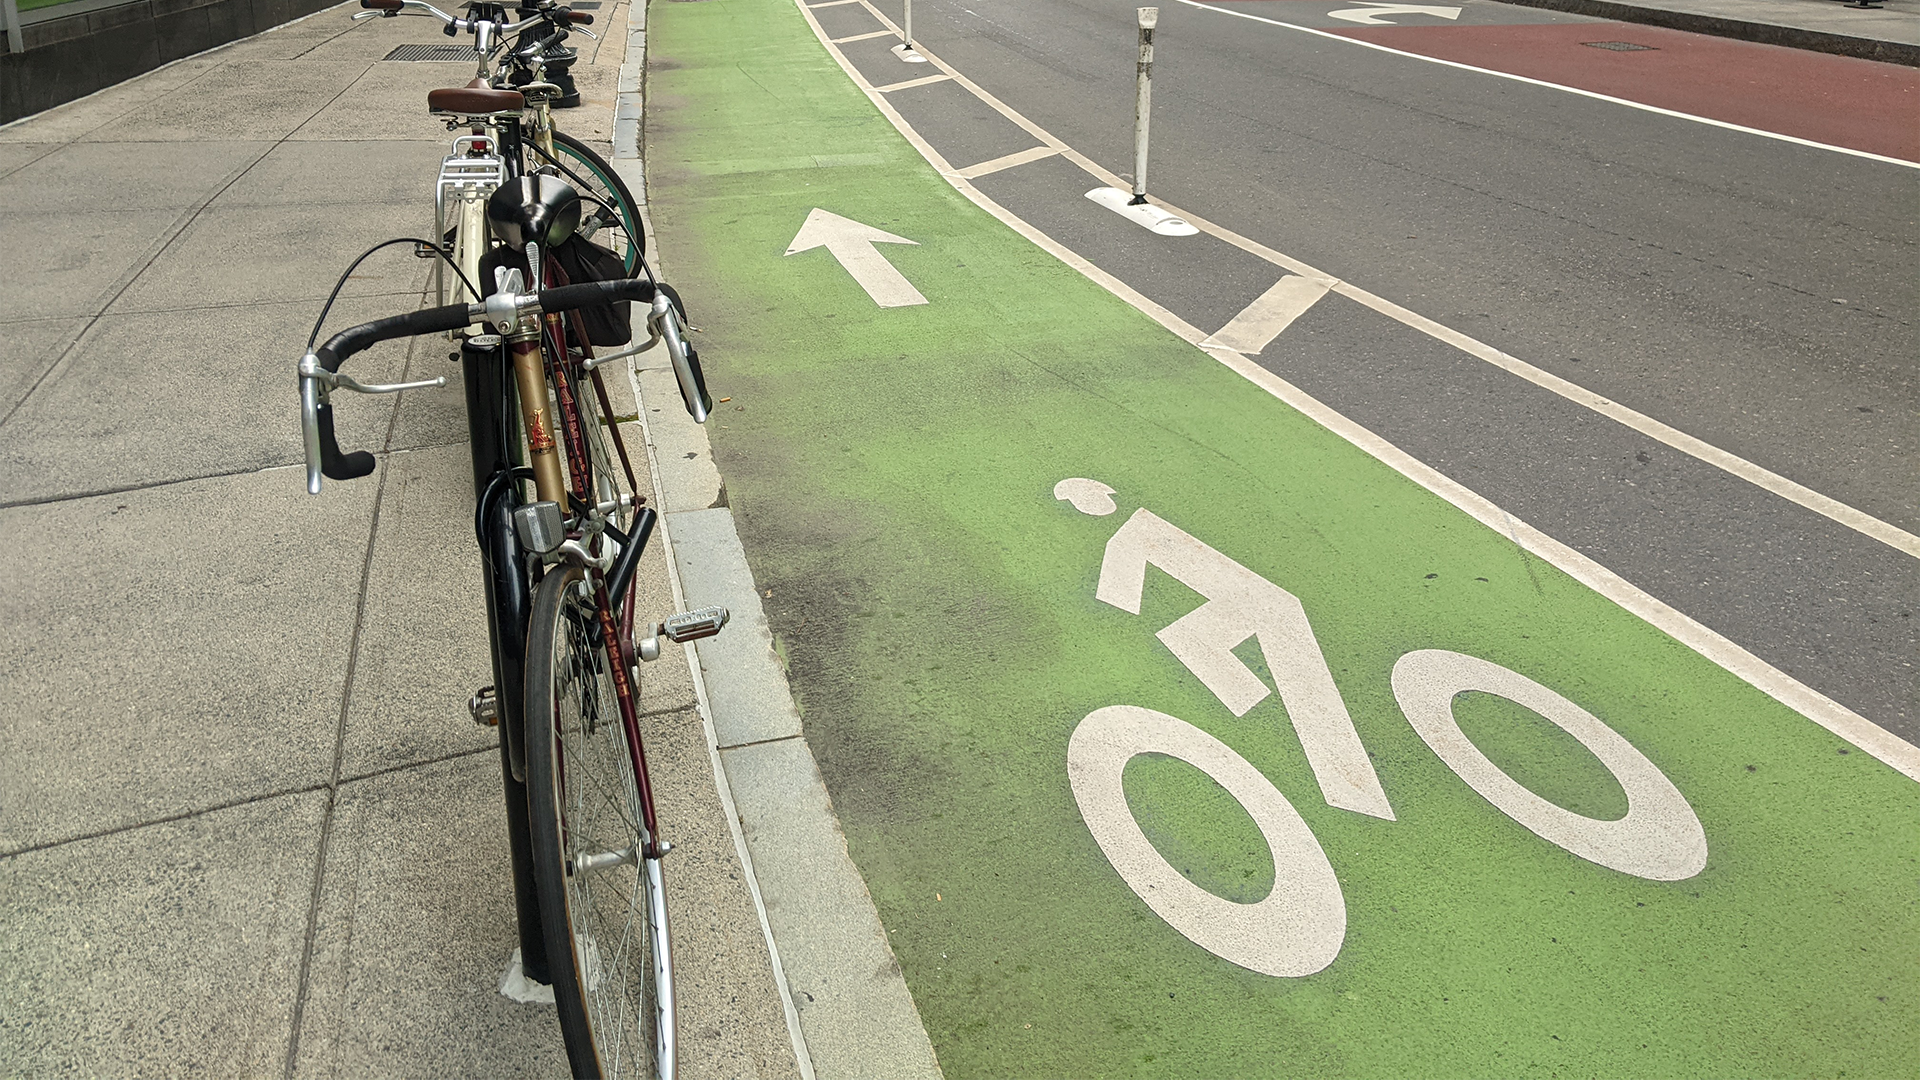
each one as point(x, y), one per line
point(1889, 32)
point(246, 826)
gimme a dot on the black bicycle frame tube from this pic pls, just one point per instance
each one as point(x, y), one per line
point(509, 607)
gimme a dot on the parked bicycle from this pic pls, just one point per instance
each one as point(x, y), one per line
point(560, 537)
point(478, 162)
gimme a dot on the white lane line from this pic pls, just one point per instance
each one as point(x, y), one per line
point(891, 87)
point(1270, 313)
point(832, 3)
point(1889, 748)
point(864, 37)
point(1799, 494)
point(1001, 164)
point(1858, 520)
point(1882, 744)
point(1642, 106)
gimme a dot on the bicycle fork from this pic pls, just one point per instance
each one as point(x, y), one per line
point(509, 607)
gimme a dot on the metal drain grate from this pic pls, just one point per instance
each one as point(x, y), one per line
point(1618, 46)
point(462, 53)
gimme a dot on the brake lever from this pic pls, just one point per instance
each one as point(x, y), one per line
point(693, 389)
point(333, 380)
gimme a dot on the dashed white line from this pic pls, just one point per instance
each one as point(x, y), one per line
point(910, 83)
point(1883, 745)
point(1270, 313)
point(1009, 161)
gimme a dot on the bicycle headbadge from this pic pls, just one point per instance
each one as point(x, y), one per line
point(540, 209)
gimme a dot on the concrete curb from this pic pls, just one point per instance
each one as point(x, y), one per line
point(849, 1010)
point(1890, 52)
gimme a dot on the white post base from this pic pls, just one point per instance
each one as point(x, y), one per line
point(907, 55)
point(1146, 215)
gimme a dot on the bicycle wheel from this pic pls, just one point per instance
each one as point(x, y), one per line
point(602, 907)
point(611, 218)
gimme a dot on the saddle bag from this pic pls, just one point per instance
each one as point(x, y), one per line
point(580, 261)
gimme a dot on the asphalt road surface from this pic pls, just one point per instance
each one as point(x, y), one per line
point(1757, 294)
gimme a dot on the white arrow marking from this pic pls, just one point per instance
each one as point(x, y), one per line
point(1370, 15)
point(852, 243)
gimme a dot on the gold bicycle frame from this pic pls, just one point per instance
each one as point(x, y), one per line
point(471, 234)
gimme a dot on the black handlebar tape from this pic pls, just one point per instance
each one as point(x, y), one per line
point(414, 323)
point(335, 465)
point(343, 345)
point(568, 297)
point(577, 18)
point(380, 5)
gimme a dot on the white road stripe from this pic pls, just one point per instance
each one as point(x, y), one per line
point(1642, 106)
point(1001, 164)
point(1883, 745)
point(891, 87)
point(1857, 520)
point(1799, 494)
point(1270, 313)
point(864, 37)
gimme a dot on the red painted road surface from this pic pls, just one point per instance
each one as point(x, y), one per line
point(1837, 100)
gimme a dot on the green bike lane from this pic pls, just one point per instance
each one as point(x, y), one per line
point(1412, 894)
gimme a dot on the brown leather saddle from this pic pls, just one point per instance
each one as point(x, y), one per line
point(475, 99)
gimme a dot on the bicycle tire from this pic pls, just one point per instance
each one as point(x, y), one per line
point(590, 171)
point(602, 908)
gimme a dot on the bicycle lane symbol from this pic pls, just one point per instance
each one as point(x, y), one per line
point(1298, 928)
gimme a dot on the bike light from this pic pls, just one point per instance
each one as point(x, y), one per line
point(540, 526)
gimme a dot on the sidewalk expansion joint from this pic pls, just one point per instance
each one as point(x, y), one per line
point(340, 742)
point(180, 225)
point(131, 489)
point(247, 800)
point(184, 815)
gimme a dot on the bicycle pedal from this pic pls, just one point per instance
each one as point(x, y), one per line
point(427, 251)
point(484, 707)
point(694, 625)
point(686, 626)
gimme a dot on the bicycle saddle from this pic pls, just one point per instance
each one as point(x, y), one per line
point(473, 100)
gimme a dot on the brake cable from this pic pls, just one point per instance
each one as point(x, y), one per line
point(342, 283)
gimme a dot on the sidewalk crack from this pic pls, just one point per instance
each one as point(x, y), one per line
point(339, 755)
point(159, 247)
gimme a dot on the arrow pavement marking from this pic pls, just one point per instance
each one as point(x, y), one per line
point(852, 243)
point(1370, 15)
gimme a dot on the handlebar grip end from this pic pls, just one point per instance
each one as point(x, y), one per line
point(580, 18)
point(349, 466)
point(335, 465)
point(701, 396)
point(381, 5)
